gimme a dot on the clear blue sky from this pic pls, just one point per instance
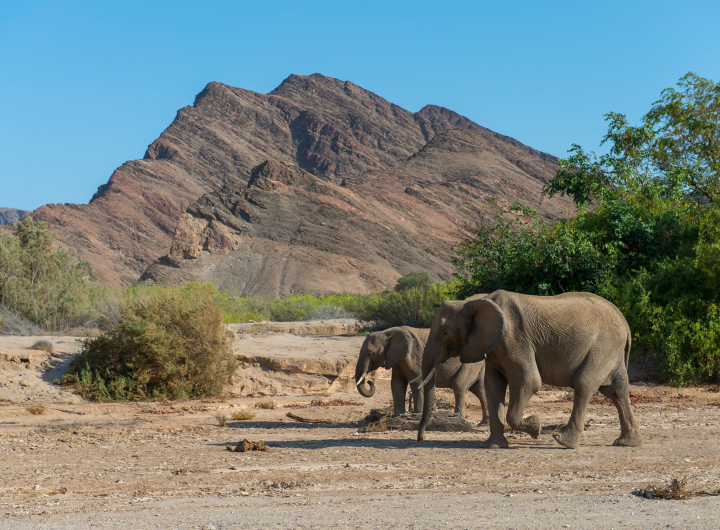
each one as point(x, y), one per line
point(85, 86)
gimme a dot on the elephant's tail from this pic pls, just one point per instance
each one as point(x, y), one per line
point(628, 343)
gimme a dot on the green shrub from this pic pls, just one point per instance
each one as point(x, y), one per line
point(410, 306)
point(48, 286)
point(293, 308)
point(170, 344)
point(670, 312)
point(417, 280)
point(327, 311)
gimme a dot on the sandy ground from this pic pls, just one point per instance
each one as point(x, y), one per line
point(165, 465)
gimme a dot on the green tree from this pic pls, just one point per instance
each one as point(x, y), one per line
point(47, 285)
point(645, 234)
point(413, 280)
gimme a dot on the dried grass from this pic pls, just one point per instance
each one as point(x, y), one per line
point(676, 489)
point(243, 415)
point(221, 419)
point(16, 324)
point(44, 345)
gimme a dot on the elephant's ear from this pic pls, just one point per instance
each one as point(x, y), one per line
point(398, 346)
point(486, 326)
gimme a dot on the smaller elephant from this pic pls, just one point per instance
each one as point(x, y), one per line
point(400, 350)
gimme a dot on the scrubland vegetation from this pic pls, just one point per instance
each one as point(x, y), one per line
point(645, 234)
point(171, 345)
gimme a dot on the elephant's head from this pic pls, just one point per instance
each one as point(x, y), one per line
point(380, 349)
point(467, 329)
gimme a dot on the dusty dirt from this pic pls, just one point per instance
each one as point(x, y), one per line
point(166, 465)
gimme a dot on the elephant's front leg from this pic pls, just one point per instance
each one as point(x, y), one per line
point(520, 393)
point(478, 389)
point(398, 385)
point(495, 388)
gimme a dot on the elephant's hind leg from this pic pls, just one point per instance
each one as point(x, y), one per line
point(569, 436)
point(398, 385)
point(478, 388)
point(459, 391)
point(418, 397)
point(619, 392)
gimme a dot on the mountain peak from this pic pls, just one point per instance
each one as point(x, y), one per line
point(291, 149)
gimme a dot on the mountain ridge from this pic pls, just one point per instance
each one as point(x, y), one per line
point(11, 215)
point(336, 131)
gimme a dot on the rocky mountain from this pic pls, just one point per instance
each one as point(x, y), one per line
point(289, 230)
point(319, 184)
point(10, 215)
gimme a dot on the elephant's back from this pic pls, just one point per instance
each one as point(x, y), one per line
point(565, 324)
point(567, 308)
point(587, 308)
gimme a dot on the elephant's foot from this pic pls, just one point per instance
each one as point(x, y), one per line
point(495, 442)
point(567, 437)
point(632, 439)
point(533, 425)
point(484, 421)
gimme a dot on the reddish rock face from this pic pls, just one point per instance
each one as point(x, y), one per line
point(319, 184)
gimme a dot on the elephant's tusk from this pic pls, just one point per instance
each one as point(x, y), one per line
point(428, 377)
point(416, 379)
point(362, 378)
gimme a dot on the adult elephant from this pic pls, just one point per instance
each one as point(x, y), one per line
point(576, 340)
point(401, 349)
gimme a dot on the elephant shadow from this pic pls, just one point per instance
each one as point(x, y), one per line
point(371, 442)
point(240, 425)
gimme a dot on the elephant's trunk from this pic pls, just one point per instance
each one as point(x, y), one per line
point(366, 389)
point(427, 405)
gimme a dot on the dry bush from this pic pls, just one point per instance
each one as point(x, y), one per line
point(171, 344)
point(265, 405)
point(44, 345)
point(242, 415)
point(37, 410)
point(676, 489)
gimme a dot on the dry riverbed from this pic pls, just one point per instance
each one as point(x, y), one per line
point(166, 465)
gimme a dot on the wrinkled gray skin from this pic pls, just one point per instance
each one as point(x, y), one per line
point(401, 350)
point(576, 340)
